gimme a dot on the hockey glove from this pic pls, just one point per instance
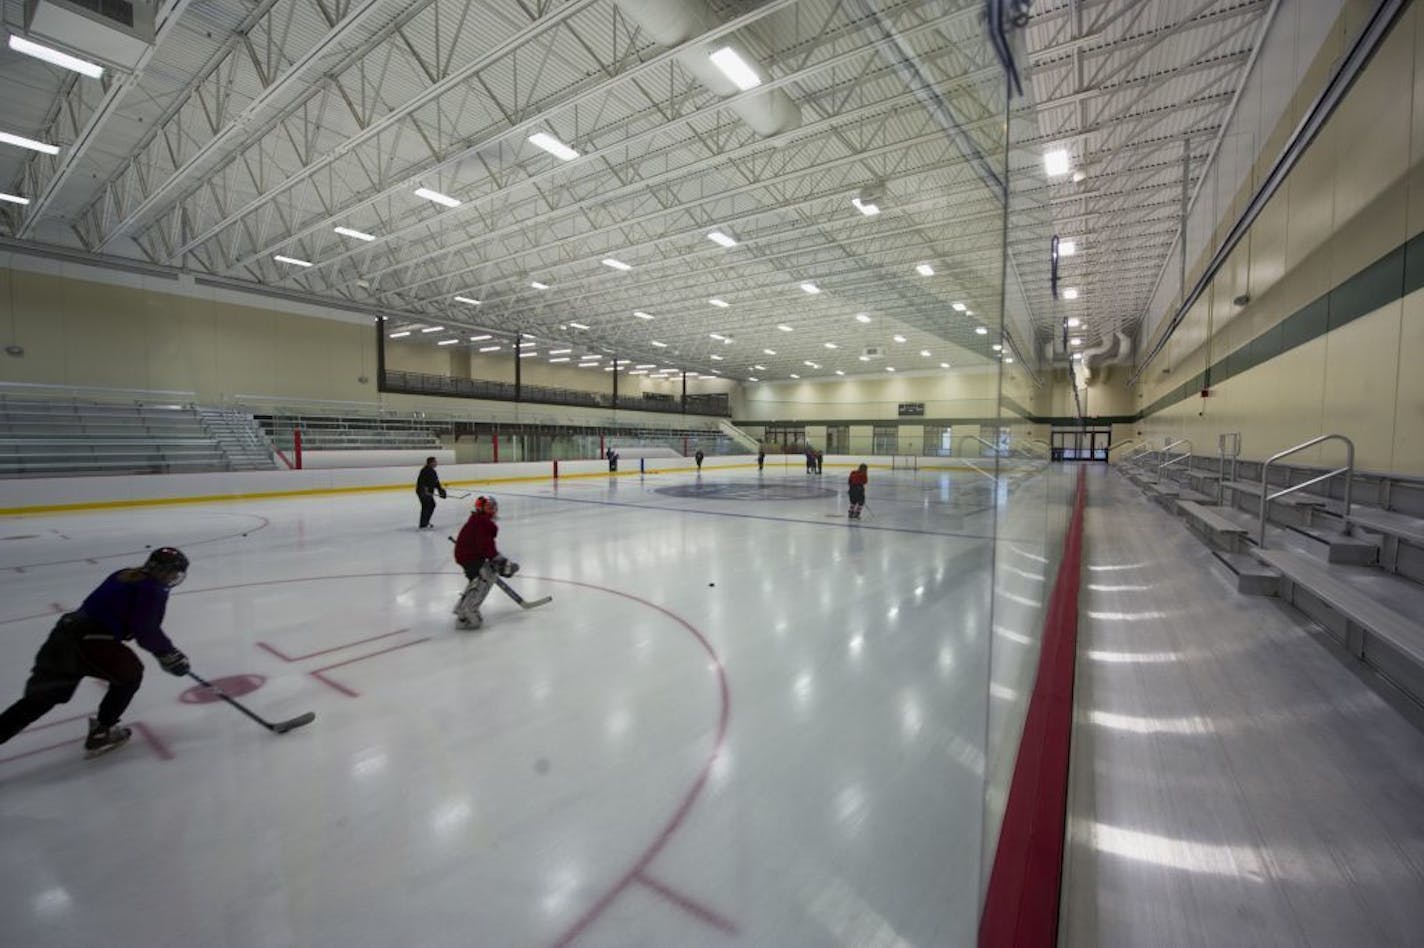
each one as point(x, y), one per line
point(443, 495)
point(175, 663)
point(506, 568)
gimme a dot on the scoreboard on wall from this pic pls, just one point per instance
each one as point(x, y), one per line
point(912, 408)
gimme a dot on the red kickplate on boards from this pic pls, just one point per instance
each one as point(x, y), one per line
point(234, 686)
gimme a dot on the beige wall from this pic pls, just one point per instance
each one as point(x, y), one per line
point(970, 393)
point(1357, 194)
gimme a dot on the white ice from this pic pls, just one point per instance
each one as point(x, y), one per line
point(792, 756)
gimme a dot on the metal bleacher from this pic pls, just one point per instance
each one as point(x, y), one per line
point(49, 431)
point(1343, 546)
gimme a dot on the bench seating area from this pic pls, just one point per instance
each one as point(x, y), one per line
point(1361, 579)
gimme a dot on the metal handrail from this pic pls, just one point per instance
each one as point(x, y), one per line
point(1121, 444)
point(1348, 470)
point(1169, 446)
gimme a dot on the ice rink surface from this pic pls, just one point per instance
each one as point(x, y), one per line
point(742, 720)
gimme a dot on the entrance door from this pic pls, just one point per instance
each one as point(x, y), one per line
point(1080, 444)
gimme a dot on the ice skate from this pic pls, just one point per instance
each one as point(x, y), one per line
point(469, 622)
point(102, 739)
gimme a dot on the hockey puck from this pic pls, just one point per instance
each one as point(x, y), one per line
point(711, 584)
point(541, 766)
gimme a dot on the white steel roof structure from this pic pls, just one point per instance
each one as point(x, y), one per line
point(253, 130)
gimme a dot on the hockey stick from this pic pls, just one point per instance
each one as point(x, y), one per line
point(523, 603)
point(281, 727)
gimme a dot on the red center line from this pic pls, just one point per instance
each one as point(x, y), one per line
point(335, 648)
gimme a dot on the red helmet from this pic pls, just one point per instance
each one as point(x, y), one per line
point(486, 505)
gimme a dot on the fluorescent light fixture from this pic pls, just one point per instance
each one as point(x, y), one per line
point(839, 372)
point(1075, 341)
point(525, 355)
point(560, 359)
point(481, 338)
point(447, 342)
point(615, 264)
point(735, 68)
point(642, 315)
point(898, 338)
point(810, 363)
point(716, 335)
point(660, 345)
point(969, 312)
point(830, 345)
point(592, 356)
point(1009, 359)
point(467, 299)
point(925, 353)
point(437, 197)
point(1071, 293)
point(996, 347)
point(715, 358)
point(980, 331)
point(865, 358)
point(358, 234)
point(292, 260)
point(889, 368)
point(753, 378)
point(810, 288)
point(1077, 355)
point(433, 329)
point(924, 269)
point(553, 146)
point(1055, 163)
point(559, 352)
point(646, 365)
point(944, 365)
point(55, 58)
point(1074, 322)
point(1079, 176)
point(719, 303)
point(958, 307)
point(770, 352)
point(639, 372)
point(759, 368)
point(538, 286)
point(578, 325)
point(717, 237)
point(795, 376)
point(862, 317)
point(400, 335)
point(1067, 248)
point(784, 328)
point(14, 199)
point(489, 348)
point(866, 208)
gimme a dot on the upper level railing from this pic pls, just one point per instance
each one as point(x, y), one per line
point(422, 383)
point(1348, 470)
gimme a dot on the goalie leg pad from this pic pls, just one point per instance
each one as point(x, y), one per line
point(468, 608)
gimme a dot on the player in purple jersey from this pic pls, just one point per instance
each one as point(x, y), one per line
point(88, 642)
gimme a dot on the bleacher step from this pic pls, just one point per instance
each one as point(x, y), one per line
point(1253, 578)
point(1369, 610)
point(1342, 548)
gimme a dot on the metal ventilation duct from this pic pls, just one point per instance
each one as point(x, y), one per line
point(673, 22)
point(112, 31)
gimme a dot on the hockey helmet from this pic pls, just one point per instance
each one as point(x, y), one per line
point(486, 505)
point(168, 565)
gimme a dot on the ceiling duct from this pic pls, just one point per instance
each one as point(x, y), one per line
point(112, 31)
point(1116, 350)
point(674, 22)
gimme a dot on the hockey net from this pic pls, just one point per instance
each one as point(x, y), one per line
point(904, 462)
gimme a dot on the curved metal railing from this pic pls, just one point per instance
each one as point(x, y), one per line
point(1348, 470)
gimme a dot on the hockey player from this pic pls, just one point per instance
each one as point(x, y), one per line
point(477, 555)
point(858, 479)
point(427, 485)
point(89, 642)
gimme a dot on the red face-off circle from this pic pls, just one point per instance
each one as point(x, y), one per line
point(233, 685)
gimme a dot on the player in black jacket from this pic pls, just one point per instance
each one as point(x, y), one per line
point(427, 485)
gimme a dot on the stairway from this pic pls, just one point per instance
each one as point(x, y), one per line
point(240, 439)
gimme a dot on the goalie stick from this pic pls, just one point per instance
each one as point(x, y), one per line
point(523, 603)
point(280, 727)
point(509, 590)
